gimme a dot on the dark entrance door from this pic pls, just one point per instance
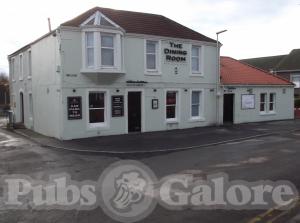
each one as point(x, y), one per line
point(134, 112)
point(21, 107)
point(228, 108)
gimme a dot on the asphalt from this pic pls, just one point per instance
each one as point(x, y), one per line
point(164, 141)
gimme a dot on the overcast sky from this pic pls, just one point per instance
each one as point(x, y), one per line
point(255, 27)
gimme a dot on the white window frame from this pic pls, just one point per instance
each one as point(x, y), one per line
point(29, 63)
point(89, 47)
point(274, 102)
point(198, 72)
point(295, 76)
point(113, 48)
point(21, 66)
point(157, 70)
point(106, 122)
point(200, 117)
point(12, 68)
point(177, 106)
point(265, 103)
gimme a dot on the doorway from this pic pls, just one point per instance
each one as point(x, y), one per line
point(21, 107)
point(134, 112)
point(228, 108)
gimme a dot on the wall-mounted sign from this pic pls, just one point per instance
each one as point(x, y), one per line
point(74, 108)
point(175, 53)
point(154, 103)
point(248, 101)
point(117, 106)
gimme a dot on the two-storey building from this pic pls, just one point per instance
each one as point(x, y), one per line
point(112, 72)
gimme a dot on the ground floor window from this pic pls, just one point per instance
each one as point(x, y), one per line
point(196, 104)
point(272, 102)
point(263, 102)
point(171, 105)
point(97, 107)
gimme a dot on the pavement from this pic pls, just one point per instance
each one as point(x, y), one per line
point(164, 141)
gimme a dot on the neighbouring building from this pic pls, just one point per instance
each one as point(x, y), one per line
point(111, 72)
point(254, 95)
point(286, 66)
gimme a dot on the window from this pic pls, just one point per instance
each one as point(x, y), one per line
point(107, 50)
point(272, 102)
point(12, 68)
point(29, 64)
point(263, 102)
point(89, 46)
point(171, 105)
point(97, 107)
point(151, 55)
point(196, 104)
point(296, 80)
point(21, 66)
point(196, 59)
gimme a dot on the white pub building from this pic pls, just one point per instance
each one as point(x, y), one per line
point(111, 72)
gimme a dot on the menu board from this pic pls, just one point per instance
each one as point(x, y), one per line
point(74, 108)
point(117, 106)
point(248, 101)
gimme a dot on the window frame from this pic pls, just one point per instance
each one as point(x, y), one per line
point(157, 70)
point(272, 102)
point(21, 67)
point(86, 47)
point(111, 48)
point(295, 76)
point(106, 122)
point(198, 72)
point(200, 104)
point(12, 68)
point(265, 102)
point(29, 63)
point(177, 105)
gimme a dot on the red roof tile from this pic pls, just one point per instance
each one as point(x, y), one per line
point(234, 72)
point(142, 23)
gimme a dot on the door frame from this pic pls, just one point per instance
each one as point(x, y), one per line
point(233, 107)
point(142, 107)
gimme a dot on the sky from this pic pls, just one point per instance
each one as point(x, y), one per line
point(255, 27)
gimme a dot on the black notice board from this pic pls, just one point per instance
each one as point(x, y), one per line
point(74, 108)
point(117, 106)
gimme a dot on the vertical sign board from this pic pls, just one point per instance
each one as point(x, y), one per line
point(74, 108)
point(248, 101)
point(117, 106)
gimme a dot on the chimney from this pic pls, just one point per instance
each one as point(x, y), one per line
point(49, 25)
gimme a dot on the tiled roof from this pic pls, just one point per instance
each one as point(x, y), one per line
point(290, 62)
point(142, 23)
point(265, 63)
point(234, 72)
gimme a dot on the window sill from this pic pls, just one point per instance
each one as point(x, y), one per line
point(29, 77)
point(171, 121)
point(102, 71)
point(196, 74)
point(152, 72)
point(20, 79)
point(267, 113)
point(97, 126)
point(197, 119)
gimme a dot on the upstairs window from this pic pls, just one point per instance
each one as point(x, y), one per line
point(89, 49)
point(29, 64)
point(21, 67)
point(196, 59)
point(263, 102)
point(107, 50)
point(12, 68)
point(272, 102)
point(151, 55)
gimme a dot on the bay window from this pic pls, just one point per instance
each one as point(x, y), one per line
point(196, 59)
point(97, 108)
point(171, 105)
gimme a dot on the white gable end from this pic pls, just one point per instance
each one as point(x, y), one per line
point(98, 19)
